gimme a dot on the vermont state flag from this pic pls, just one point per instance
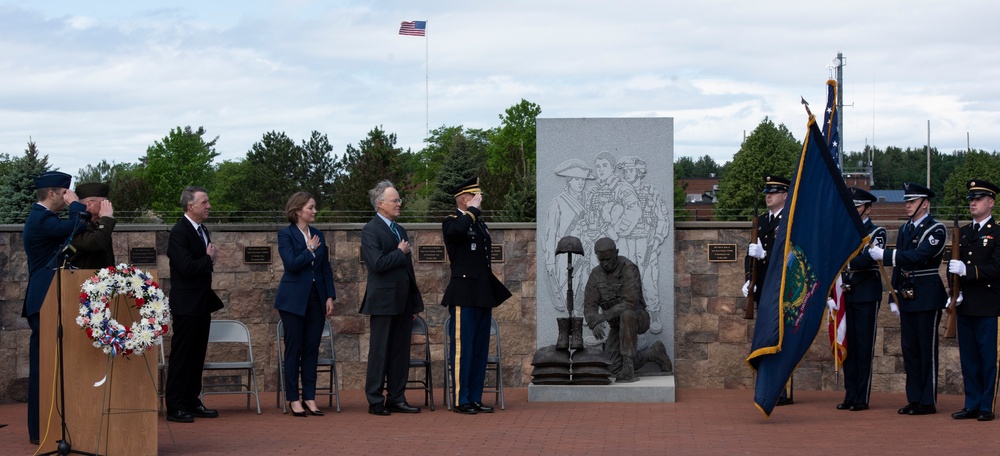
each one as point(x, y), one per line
point(819, 235)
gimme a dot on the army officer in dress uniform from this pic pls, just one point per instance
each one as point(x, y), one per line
point(472, 293)
point(775, 192)
point(862, 285)
point(979, 271)
point(915, 278)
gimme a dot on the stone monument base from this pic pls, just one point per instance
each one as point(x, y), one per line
point(651, 388)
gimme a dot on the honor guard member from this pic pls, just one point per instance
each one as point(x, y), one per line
point(979, 274)
point(93, 247)
point(472, 293)
point(862, 287)
point(915, 278)
point(775, 192)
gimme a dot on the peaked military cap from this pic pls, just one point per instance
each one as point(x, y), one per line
point(53, 179)
point(469, 186)
point(862, 197)
point(92, 189)
point(776, 184)
point(574, 168)
point(981, 188)
point(913, 191)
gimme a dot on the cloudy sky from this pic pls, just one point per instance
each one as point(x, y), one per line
point(92, 80)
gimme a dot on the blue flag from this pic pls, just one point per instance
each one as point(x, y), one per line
point(814, 243)
point(831, 124)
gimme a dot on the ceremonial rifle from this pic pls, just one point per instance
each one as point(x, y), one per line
point(950, 328)
point(751, 302)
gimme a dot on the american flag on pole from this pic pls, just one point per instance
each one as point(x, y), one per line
point(413, 28)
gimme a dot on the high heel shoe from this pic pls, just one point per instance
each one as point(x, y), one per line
point(302, 413)
point(316, 412)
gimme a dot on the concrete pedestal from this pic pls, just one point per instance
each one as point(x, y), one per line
point(655, 388)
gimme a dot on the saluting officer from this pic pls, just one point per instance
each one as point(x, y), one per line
point(472, 293)
point(979, 271)
point(862, 285)
point(775, 192)
point(915, 278)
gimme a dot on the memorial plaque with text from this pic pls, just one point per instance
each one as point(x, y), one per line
point(721, 253)
point(257, 254)
point(142, 255)
point(496, 253)
point(431, 253)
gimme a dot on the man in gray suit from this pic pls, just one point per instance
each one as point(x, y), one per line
point(391, 300)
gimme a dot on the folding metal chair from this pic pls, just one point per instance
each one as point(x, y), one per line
point(232, 332)
point(419, 336)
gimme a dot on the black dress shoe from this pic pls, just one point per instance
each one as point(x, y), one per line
point(402, 407)
point(985, 416)
point(378, 409)
point(905, 410)
point(965, 414)
point(482, 408)
point(180, 416)
point(316, 412)
point(35, 441)
point(294, 413)
point(784, 401)
point(846, 405)
point(923, 410)
point(202, 412)
point(859, 406)
point(466, 409)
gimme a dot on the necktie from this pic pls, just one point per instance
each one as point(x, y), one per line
point(392, 226)
point(201, 232)
point(770, 219)
point(975, 228)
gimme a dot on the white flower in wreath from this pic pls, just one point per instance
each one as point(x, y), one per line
point(95, 318)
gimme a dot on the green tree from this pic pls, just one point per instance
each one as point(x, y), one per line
point(978, 164)
point(17, 184)
point(462, 162)
point(130, 193)
point(684, 168)
point(316, 168)
point(680, 199)
point(706, 167)
point(511, 159)
point(376, 158)
point(181, 159)
point(769, 149)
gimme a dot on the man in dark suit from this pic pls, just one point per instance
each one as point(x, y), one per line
point(44, 232)
point(192, 302)
point(775, 192)
point(93, 247)
point(391, 300)
point(472, 293)
point(917, 282)
point(862, 286)
point(979, 271)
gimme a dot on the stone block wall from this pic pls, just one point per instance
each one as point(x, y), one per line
point(711, 339)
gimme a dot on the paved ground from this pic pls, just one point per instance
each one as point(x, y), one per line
point(701, 422)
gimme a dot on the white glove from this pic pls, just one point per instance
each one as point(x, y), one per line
point(894, 308)
point(958, 301)
point(956, 267)
point(832, 305)
point(746, 289)
point(757, 250)
point(875, 252)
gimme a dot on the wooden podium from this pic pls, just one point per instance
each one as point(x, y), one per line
point(116, 418)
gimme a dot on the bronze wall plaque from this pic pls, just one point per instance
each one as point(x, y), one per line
point(721, 253)
point(142, 255)
point(496, 253)
point(257, 254)
point(433, 253)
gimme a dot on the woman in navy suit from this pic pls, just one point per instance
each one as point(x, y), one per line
point(304, 299)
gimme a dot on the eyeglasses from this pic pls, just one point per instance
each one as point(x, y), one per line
point(395, 201)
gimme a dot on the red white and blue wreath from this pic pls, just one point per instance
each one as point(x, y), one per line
point(97, 297)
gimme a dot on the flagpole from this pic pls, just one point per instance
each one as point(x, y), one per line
point(427, 97)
